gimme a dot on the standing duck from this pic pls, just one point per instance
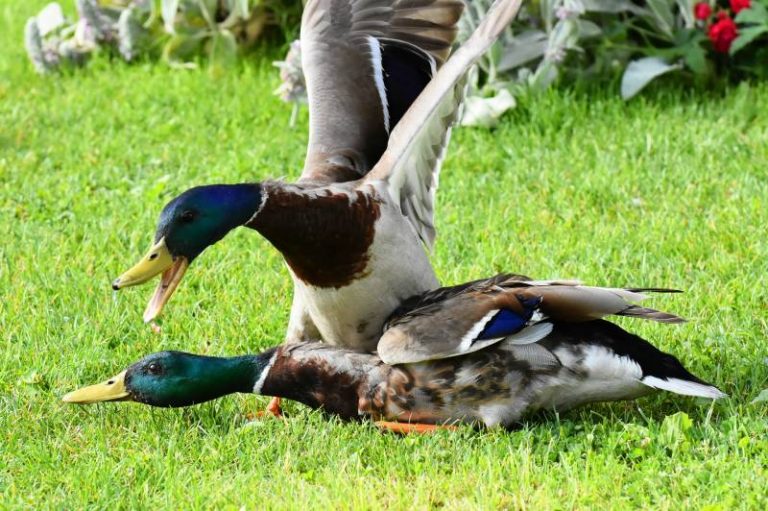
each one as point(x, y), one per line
point(382, 99)
point(500, 349)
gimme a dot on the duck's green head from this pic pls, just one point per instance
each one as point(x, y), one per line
point(189, 224)
point(174, 378)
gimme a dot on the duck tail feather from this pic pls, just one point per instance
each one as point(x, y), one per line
point(635, 311)
point(652, 290)
point(684, 387)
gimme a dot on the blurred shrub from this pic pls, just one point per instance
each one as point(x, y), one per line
point(178, 31)
point(633, 41)
point(606, 40)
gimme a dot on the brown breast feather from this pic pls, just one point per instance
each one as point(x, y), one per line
point(324, 235)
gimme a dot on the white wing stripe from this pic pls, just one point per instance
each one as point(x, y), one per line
point(378, 77)
point(469, 337)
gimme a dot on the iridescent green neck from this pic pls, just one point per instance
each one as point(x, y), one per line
point(175, 379)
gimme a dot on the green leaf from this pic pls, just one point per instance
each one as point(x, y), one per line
point(34, 44)
point(239, 8)
point(746, 36)
point(525, 48)
point(130, 34)
point(757, 13)
point(168, 12)
point(696, 59)
point(675, 431)
point(588, 29)
point(182, 47)
point(238, 11)
point(50, 18)
point(545, 74)
point(761, 398)
point(208, 12)
point(222, 51)
point(640, 73)
point(480, 111)
point(547, 8)
point(611, 6)
point(662, 15)
point(686, 11)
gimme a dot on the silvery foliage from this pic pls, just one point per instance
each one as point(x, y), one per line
point(527, 55)
point(183, 28)
point(48, 39)
point(52, 40)
point(660, 15)
point(293, 88)
point(640, 72)
point(535, 50)
point(682, 41)
point(588, 38)
point(214, 28)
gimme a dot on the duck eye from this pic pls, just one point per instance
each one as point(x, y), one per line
point(154, 368)
point(188, 216)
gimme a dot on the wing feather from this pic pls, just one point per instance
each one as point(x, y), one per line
point(411, 162)
point(455, 321)
point(344, 47)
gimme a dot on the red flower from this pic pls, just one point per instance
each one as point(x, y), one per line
point(739, 5)
point(702, 10)
point(722, 33)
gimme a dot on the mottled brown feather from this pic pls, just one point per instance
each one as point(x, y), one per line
point(442, 324)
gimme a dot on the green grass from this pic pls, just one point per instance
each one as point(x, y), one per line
point(667, 190)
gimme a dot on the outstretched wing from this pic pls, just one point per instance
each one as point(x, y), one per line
point(411, 163)
point(521, 312)
point(365, 62)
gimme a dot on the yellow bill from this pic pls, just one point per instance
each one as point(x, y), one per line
point(110, 390)
point(157, 261)
point(168, 284)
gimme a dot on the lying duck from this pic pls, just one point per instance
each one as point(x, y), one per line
point(502, 348)
point(353, 228)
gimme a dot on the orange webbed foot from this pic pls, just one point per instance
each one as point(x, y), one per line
point(274, 407)
point(273, 410)
point(407, 428)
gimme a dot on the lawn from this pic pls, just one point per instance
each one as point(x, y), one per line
point(669, 190)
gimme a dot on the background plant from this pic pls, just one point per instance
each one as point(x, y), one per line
point(600, 40)
point(178, 31)
point(571, 41)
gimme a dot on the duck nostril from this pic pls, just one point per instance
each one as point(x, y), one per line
point(153, 256)
point(111, 382)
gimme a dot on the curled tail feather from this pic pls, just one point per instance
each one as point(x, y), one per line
point(635, 311)
point(652, 290)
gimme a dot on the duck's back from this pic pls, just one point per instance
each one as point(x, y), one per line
point(574, 365)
